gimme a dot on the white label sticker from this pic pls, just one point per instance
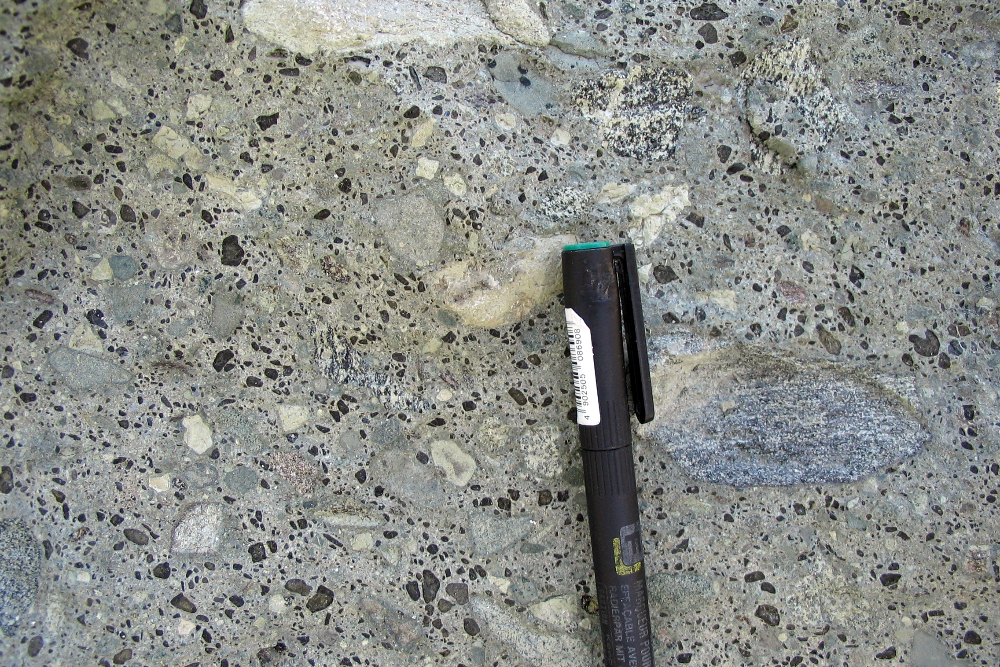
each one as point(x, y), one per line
point(581, 351)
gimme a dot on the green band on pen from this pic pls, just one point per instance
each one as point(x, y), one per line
point(586, 246)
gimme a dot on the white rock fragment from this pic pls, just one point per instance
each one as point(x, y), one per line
point(652, 211)
point(60, 150)
point(427, 168)
point(810, 241)
point(83, 577)
point(198, 105)
point(248, 200)
point(504, 291)
point(723, 298)
point(117, 105)
point(307, 26)
point(562, 612)
point(118, 79)
point(532, 644)
point(171, 143)
point(276, 604)
point(102, 271)
point(197, 434)
point(986, 303)
point(422, 134)
point(455, 184)
point(671, 199)
point(292, 416)
point(158, 163)
point(644, 271)
point(612, 193)
point(502, 584)
point(160, 484)
point(457, 465)
point(101, 111)
point(185, 628)
point(156, 7)
point(543, 450)
point(362, 542)
point(506, 121)
point(85, 340)
point(560, 137)
point(518, 19)
point(198, 531)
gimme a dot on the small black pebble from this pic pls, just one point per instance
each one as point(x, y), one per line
point(183, 603)
point(79, 48)
point(199, 9)
point(136, 536)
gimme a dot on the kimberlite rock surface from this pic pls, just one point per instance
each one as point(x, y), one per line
point(285, 377)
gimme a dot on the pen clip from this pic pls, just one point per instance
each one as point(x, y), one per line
point(635, 331)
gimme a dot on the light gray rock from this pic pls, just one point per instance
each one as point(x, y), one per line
point(128, 302)
point(520, 86)
point(927, 651)
point(413, 227)
point(532, 643)
point(403, 475)
point(20, 566)
point(740, 417)
point(227, 314)
point(493, 534)
point(240, 480)
point(396, 629)
point(123, 267)
point(580, 43)
point(80, 370)
point(676, 594)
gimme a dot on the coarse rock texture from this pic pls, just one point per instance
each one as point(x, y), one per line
point(736, 416)
point(19, 572)
point(284, 377)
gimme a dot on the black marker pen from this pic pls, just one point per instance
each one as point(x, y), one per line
point(601, 287)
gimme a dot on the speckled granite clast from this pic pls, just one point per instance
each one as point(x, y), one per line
point(284, 377)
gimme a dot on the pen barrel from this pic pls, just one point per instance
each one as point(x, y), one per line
point(594, 321)
point(619, 570)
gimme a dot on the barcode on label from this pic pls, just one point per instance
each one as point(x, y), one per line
point(581, 352)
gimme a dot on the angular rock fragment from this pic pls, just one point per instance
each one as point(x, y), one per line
point(507, 290)
point(493, 534)
point(413, 227)
point(535, 645)
point(457, 465)
point(740, 417)
point(80, 370)
point(198, 531)
point(307, 26)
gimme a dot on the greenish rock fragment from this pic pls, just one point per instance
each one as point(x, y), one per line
point(80, 370)
point(123, 267)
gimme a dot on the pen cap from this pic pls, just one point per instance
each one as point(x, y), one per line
point(601, 292)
